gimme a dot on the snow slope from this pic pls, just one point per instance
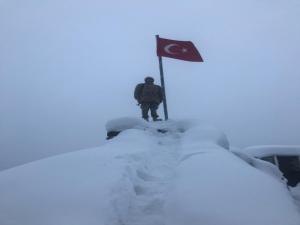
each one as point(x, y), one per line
point(145, 177)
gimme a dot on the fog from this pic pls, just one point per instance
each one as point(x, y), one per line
point(68, 66)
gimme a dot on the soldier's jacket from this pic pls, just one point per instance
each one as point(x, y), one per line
point(146, 93)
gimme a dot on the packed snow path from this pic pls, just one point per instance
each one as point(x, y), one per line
point(150, 173)
point(145, 177)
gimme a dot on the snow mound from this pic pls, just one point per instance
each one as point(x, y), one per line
point(126, 123)
point(144, 177)
point(206, 135)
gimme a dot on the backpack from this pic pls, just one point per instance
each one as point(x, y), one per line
point(138, 91)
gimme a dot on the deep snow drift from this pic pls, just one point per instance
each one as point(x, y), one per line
point(145, 177)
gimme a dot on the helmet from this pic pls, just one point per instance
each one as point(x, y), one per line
point(149, 79)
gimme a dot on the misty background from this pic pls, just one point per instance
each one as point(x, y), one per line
point(69, 66)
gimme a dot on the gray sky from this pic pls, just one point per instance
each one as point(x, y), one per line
point(68, 66)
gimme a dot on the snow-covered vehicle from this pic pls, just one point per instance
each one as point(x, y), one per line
point(286, 158)
point(184, 175)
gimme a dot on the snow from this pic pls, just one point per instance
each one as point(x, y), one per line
point(269, 150)
point(125, 123)
point(206, 134)
point(296, 194)
point(144, 177)
point(262, 165)
point(213, 186)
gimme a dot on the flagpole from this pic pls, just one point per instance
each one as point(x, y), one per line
point(162, 81)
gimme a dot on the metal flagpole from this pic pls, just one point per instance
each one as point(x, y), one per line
point(162, 81)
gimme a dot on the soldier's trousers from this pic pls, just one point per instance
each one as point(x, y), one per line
point(152, 106)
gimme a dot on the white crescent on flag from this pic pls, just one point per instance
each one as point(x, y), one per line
point(168, 47)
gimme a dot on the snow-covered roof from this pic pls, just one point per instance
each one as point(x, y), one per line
point(269, 150)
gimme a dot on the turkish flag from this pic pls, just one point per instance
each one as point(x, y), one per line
point(183, 50)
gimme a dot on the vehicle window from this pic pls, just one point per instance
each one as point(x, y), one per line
point(290, 166)
point(269, 159)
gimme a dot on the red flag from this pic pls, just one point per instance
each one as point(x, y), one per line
point(183, 50)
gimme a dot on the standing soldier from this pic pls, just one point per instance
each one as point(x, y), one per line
point(149, 96)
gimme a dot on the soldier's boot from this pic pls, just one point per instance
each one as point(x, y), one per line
point(146, 118)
